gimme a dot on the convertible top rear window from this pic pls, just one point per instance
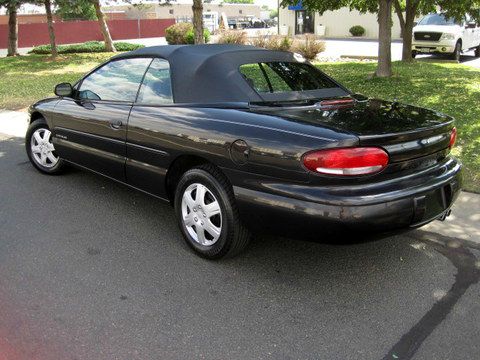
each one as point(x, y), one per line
point(279, 77)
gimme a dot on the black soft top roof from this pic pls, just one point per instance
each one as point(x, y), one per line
point(209, 73)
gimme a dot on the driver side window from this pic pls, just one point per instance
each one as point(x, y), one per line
point(118, 80)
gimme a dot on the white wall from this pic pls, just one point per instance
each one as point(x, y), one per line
point(339, 22)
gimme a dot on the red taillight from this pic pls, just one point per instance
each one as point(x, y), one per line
point(453, 137)
point(346, 161)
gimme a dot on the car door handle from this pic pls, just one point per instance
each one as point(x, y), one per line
point(116, 124)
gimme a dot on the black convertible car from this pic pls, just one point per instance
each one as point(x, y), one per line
point(242, 139)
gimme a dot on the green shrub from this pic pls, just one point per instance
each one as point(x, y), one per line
point(357, 30)
point(190, 36)
point(279, 43)
point(86, 47)
point(176, 34)
point(233, 37)
point(182, 33)
point(308, 46)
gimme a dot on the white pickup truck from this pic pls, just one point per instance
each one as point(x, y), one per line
point(438, 34)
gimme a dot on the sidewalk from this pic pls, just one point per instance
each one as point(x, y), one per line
point(463, 223)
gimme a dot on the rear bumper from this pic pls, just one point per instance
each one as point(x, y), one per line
point(410, 202)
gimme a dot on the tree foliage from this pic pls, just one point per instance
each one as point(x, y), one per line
point(76, 10)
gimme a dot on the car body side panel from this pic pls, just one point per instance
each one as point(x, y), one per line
point(46, 109)
point(158, 135)
point(83, 134)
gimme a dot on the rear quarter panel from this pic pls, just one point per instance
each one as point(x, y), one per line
point(275, 146)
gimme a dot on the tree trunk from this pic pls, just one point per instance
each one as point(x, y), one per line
point(104, 27)
point(12, 31)
point(398, 10)
point(198, 21)
point(412, 6)
point(407, 26)
point(384, 68)
point(51, 31)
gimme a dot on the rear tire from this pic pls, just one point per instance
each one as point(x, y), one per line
point(477, 51)
point(207, 214)
point(456, 55)
point(40, 148)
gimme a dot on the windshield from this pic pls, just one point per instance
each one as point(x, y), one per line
point(437, 19)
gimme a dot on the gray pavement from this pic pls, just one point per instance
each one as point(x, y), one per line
point(93, 270)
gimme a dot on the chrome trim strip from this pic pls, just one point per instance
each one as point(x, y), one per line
point(146, 148)
point(90, 135)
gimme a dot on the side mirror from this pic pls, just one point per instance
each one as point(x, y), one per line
point(415, 23)
point(64, 90)
point(471, 25)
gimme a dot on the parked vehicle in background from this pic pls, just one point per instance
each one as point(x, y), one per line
point(247, 22)
point(438, 34)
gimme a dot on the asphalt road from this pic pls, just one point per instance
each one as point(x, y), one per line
point(90, 269)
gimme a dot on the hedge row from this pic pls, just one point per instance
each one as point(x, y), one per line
point(86, 47)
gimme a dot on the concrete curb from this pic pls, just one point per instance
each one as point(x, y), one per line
point(437, 60)
point(359, 57)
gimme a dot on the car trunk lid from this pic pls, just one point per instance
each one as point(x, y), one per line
point(405, 131)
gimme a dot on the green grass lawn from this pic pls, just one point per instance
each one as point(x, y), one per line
point(25, 79)
point(451, 88)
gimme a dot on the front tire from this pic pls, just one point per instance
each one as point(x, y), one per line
point(40, 148)
point(414, 54)
point(457, 52)
point(477, 51)
point(207, 214)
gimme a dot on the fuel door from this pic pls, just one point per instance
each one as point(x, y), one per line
point(239, 152)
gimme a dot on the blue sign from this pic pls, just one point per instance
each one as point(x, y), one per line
point(298, 6)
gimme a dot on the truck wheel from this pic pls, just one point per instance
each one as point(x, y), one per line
point(414, 54)
point(457, 52)
point(477, 51)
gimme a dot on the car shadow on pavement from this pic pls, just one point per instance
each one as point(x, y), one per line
point(103, 230)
